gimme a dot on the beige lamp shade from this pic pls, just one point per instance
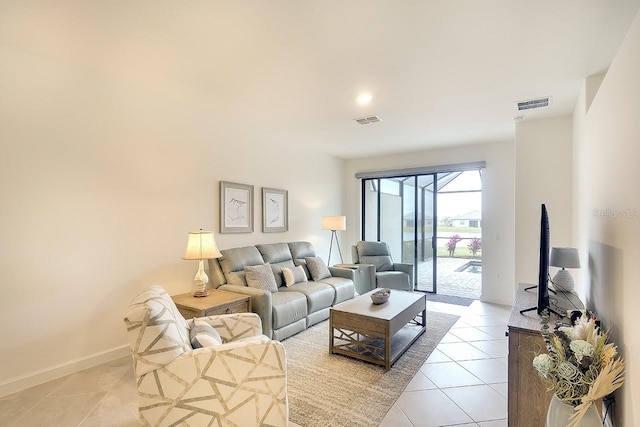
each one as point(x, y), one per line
point(334, 223)
point(201, 245)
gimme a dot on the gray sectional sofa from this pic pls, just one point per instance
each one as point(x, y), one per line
point(292, 308)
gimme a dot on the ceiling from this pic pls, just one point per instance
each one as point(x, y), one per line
point(287, 72)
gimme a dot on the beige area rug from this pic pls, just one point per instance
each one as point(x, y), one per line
point(334, 390)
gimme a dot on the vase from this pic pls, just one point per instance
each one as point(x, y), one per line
point(559, 413)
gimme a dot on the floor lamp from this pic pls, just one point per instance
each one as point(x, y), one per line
point(334, 223)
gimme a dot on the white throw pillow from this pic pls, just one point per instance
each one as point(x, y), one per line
point(202, 334)
point(294, 275)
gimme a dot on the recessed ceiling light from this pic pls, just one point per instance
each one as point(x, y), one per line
point(364, 98)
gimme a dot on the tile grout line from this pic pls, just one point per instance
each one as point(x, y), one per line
point(36, 404)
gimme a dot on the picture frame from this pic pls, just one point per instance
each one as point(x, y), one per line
point(236, 207)
point(275, 210)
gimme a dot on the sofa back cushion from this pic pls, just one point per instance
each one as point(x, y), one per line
point(279, 256)
point(376, 253)
point(301, 250)
point(233, 262)
point(274, 252)
point(156, 330)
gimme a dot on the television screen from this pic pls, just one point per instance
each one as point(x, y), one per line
point(543, 269)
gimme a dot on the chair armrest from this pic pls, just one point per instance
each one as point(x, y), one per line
point(248, 371)
point(406, 268)
point(260, 304)
point(235, 326)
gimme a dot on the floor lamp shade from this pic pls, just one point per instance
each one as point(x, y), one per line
point(564, 258)
point(201, 245)
point(334, 223)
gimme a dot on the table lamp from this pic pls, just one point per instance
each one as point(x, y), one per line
point(200, 246)
point(334, 223)
point(564, 258)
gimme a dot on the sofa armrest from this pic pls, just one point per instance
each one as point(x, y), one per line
point(235, 326)
point(362, 275)
point(406, 268)
point(163, 396)
point(260, 304)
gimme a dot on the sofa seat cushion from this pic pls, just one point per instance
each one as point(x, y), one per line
point(319, 295)
point(343, 287)
point(393, 280)
point(287, 308)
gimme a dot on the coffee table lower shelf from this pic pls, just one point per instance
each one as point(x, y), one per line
point(372, 347)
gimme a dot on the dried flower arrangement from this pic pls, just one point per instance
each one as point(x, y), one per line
point(580, 366)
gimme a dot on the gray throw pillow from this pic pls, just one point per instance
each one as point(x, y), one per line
point(202, 334)
point(261, 277)
point(294, 275)
point(302, 263)
point(317, 268)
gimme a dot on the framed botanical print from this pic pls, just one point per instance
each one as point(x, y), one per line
point(275, 210)
point(236, 207)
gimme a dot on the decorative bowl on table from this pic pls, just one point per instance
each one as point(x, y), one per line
point(381, 296)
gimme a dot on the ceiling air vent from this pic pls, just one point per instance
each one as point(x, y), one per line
point(368, 119)
point(534, 103)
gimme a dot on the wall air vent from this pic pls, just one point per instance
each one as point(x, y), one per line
point(368, 119)
point(534, 103)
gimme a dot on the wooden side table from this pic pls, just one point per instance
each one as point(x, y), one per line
point(218, 302)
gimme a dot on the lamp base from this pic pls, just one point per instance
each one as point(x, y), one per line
point(563, 281)
point(199, 284)
point(200, 294)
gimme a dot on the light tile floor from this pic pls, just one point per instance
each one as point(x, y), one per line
point(463, 383)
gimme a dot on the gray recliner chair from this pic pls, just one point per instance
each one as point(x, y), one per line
point(388, 274)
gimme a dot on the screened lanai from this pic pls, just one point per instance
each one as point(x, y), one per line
point(432, 221)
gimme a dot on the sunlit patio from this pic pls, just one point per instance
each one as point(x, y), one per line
point(460, 277)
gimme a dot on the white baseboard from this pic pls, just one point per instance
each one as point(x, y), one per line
point(496, 300)
point(42, 376)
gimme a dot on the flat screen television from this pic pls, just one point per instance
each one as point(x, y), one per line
point(543, 266)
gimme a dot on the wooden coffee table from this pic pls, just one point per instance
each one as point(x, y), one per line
point(378, 334)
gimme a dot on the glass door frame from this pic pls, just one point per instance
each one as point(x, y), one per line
point(401, 180)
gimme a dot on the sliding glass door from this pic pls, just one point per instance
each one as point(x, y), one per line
point(433, 221)
point(400, 211)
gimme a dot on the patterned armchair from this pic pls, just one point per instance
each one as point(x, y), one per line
point(241, 382)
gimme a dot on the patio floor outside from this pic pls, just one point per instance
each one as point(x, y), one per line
point(466, 283)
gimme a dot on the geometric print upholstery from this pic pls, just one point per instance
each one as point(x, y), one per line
point(242, 382)
point(156, 330)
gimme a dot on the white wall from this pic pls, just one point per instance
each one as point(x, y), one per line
point(608, 204)
point(543, 175)
point(99, 185)
point(497, 205)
